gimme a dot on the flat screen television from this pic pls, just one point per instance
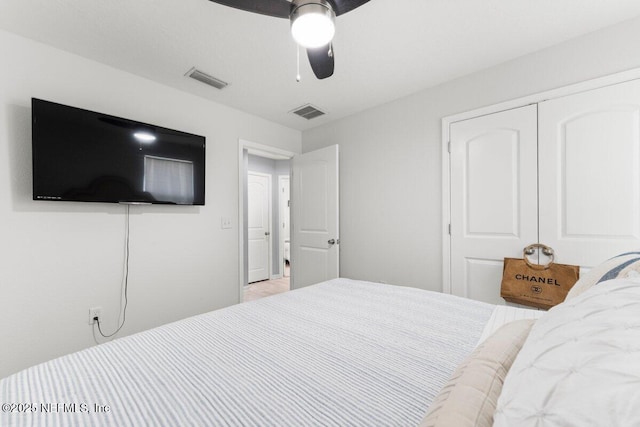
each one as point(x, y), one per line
point(85, 156)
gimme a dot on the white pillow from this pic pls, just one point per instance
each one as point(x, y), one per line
point(580, 365)
point(618, 267)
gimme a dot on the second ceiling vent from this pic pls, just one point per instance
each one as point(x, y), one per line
point(308, 112)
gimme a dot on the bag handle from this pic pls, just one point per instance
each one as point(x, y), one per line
point(530, 250)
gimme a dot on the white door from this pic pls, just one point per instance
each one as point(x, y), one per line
point(258, 225)
point(590, 174)
point(315, 232)
point(493, 198)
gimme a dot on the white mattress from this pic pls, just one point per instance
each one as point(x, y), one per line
point(341, 353)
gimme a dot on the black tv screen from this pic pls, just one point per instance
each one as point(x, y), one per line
point(85, 156)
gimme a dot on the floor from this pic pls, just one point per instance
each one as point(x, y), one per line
point(266, 288)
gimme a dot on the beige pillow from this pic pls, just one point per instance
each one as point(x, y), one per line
point(619, 267)
point(471, 395)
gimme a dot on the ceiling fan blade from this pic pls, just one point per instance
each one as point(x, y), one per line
point(343, 6)
point(277, 8)
point(321, 60)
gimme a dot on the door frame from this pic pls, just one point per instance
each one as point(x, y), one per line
point(269, 220)
point(263, 151)
point(572, 89)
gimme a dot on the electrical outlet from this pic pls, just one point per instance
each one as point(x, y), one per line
point(93, 313)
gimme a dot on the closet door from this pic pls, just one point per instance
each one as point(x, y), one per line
point(590, 174)
point(493, 198)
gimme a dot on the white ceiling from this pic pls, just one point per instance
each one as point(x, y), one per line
point(384, 50)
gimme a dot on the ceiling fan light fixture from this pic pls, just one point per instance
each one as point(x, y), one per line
point(312, 23)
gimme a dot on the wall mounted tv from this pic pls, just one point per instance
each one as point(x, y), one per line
point(85, 156)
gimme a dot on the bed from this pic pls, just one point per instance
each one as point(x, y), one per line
point(347, 353)
point(339, 353)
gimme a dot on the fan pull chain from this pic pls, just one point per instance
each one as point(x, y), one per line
point(298, 69)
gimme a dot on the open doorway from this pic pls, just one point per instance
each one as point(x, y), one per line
point(264, 232)
point(284, 196)
point(314, 216)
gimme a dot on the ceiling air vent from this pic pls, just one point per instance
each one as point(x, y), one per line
point(206, 78)
point(308, 112)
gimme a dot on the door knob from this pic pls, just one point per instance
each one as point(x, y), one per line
point(266, 233)
point(332, 241)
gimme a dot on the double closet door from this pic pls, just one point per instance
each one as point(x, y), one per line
point(563, 172)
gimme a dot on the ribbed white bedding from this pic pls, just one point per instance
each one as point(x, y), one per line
point(341, 353)
point(504, 314)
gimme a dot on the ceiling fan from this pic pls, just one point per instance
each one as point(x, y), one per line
point(312, 24)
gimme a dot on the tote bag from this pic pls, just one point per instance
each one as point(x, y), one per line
point(537, 285)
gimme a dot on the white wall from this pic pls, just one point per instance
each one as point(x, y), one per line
point(58, 259)
point(390, 156)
